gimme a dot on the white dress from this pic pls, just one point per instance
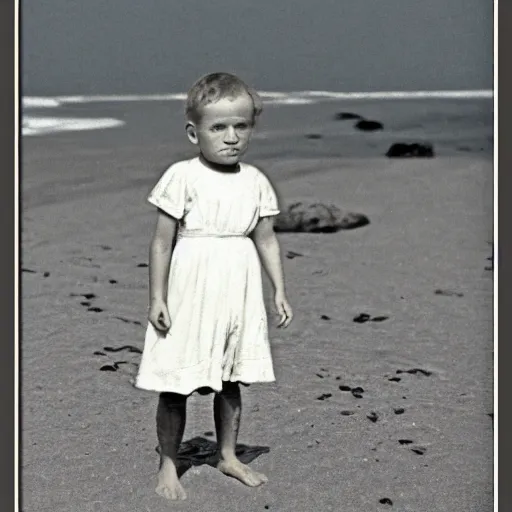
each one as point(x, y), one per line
point(215, 299)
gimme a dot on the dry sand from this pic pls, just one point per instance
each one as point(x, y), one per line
point(88, 437)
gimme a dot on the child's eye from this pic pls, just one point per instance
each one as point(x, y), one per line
point(242, 126)
point(218, 127)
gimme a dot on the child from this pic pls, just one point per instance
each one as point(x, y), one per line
point(207, 326)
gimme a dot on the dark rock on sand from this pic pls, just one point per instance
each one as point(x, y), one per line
point(386, 501)
point(419, 451)
point(347, 413)
point(405, 441)
point(366, 125)
point(30, 271)
point(399, 410)
point(379, 318)
point(324, 396)
point(112, 281)
point(415, 371)
point(108, 368)
point(414, 150)
point(448, 293)
point(343, 116)
point(95, 310)
point(130, 348)
point(363, 317)
point(325, 317)
point(291, 255)
point(317, 218)
point(373, 417)
point(345, 388)
point(142, 265)
point(313, 136)
point(395, 379)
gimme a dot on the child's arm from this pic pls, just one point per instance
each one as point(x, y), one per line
point(159, 260)
point(268, 248)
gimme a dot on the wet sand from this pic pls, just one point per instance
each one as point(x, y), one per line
point(383, 399)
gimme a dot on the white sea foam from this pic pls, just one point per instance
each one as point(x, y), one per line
point(45, 125)
point(34, 102)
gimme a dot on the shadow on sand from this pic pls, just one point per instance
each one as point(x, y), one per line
point(198, 451)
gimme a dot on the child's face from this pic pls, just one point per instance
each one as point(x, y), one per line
point(224, 131)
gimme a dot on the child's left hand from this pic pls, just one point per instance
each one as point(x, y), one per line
point(284, 310)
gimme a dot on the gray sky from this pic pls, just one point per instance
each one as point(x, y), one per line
point(136, 46)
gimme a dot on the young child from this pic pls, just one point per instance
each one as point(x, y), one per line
point(207, 326)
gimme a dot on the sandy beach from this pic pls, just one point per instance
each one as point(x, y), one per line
point(420, 436)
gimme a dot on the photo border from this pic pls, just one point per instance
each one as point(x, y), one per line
point(9, 111)
point(9, 148)
point(503, 331)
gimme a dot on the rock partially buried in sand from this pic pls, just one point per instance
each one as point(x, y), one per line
point(414, 150)
point(343, 116)
point(317, 218)
point(366, 125)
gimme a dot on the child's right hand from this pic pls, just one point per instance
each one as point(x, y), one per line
point(159, 316)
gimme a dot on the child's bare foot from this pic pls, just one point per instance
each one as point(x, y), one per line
point(238, 470)
point(169, 486)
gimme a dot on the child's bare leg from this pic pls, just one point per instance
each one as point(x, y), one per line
point(170, 424)
point(227, 411)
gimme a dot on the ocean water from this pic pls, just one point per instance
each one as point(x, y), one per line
point(40, 114)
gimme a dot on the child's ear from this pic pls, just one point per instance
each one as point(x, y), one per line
point(190, 128)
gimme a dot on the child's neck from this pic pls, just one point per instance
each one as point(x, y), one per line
point(219, 167)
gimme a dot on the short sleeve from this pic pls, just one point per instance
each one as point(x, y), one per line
point(268, 199)
point(169, 193)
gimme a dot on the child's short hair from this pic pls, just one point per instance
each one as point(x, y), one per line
point(215, 86)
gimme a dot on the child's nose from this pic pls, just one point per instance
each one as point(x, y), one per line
point(231, 136)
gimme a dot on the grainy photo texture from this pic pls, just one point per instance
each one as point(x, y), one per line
point(257, 256)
